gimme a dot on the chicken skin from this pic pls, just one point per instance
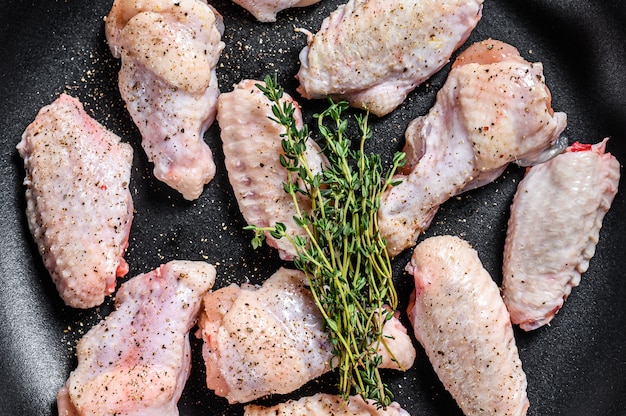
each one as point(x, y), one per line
point(460, 319)
point(553, 230)
point(252, 146)
point(326, 404)
point(493, 109)
point(137, 360)
point(266, 10)
point(78, 204)
point(372, 53)
point(169, 53)
point(269, 340)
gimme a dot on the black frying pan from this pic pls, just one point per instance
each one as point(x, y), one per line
point(576, 366)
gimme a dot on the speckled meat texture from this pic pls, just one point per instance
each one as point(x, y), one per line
point(78, 205)
point(269, 340)
point(462, 323)
point(326, 404)
point(266, 10)
point(493, 109)
point(169, 53)
point(252, 146)
point(137, 360)
point(372, 53)
point(553, 230)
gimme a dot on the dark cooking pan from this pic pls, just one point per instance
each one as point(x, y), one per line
point(575, 366)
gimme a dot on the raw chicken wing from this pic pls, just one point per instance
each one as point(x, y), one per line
point(252, 145)
point(269, 340)
point(324, 405)
point(372, 53)
point(169, 53)
point(553, 230)
point(137, 360)
point(462, 323)
point(266, 10)
point(494, 108)
point(78, 205)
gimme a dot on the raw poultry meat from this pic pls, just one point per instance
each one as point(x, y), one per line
point(169, 53)
point(78, 205)
point(493, 109)
point(262, 341)
point(266, 10)
point(553, 230)
point(252, 145)
point(269, 340)
point(137, 360)
point(324, 405)
point(372, 53)
point(461, 321)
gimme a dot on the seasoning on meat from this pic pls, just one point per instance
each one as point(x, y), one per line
point(136, 361)
point(493, 109)
point(460, 319)
point(372, 53)
point(169, 53)
point(269, 339)
point(553, 230)
point(78, 205)
point(252, 150)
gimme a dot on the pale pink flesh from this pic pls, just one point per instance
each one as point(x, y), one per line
point(137, 360)
point(269, 340)
point(494, 109)
point(79, 207)
point(372, 53)
point(170, 86)
point(461, 321)
point(555, 221)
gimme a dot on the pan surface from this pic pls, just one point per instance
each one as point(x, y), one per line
point(576, 366)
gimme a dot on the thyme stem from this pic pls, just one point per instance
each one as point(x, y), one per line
point(343, 256)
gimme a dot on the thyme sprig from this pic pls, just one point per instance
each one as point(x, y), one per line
point(343, 255)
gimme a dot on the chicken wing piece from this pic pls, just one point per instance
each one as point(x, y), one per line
point(169, 53)
point(461, 321)
point(266, 10)
point(137, 360)
point(324, 405)
point(252, 146)
point(493, 109)
point(372, 53)
point(553, 230)
point(269, 340)
point(78, 205)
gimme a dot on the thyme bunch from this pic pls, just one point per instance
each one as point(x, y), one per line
point(343, 255)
